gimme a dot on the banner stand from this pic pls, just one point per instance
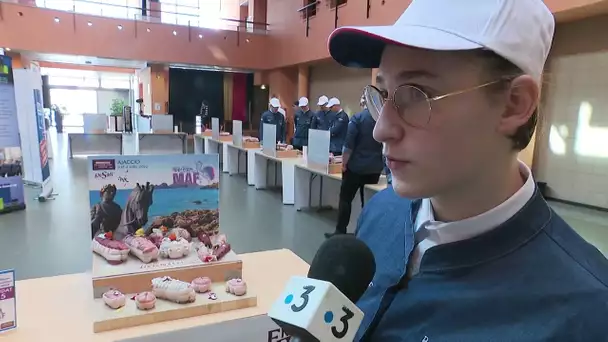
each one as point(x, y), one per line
point(32, 131)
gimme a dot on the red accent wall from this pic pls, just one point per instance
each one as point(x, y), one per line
point(239, 97)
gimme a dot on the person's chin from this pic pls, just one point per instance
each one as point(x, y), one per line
point(409, 189)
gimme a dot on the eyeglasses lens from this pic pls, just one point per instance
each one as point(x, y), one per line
point(411, 103)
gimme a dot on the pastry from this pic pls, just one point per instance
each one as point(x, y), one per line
point(250, 139)
point(145, 300)
point(174, 248)
point(114, 251)
point(201, 284)
point(236, 286)
point(142, 248)
point(181, 233)
point(205, 239)
point(114, 299)
point(220, 251)
point(206, 254)
point(174, 290)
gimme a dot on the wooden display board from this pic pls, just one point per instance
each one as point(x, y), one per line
point(106, 318)
point(134, 276)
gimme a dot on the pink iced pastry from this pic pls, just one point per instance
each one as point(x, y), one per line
point(145, 300)
point(114, 299)
point(236, 286)
point(206, 255)
point(141, 247)
point(114, 251)
point(201, 284)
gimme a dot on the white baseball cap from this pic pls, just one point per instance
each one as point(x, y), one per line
point(274, 102)
point(322, 100)
point(282, 111)
point(333, 102)
point(520, 31)
point(303, 102)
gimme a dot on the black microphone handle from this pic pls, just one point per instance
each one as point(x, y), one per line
point(302, 339)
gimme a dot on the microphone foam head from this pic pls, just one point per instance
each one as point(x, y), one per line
point(347, 263)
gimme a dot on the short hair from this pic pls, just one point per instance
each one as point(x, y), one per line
point(498, 67)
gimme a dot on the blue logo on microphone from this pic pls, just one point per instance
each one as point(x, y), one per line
point(328, 317)
point(289, 299)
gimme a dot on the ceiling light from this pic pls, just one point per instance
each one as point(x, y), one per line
point(120, 27)
point(90, 23)
point(200, 36)
point(175, 33)
point(148, 29)
point(247, 40)
point(263, 86)
point(56, 19)
point(7, 49)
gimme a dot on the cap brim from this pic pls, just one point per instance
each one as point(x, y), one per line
point(362, 47)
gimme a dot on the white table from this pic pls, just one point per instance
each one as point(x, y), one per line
point(280, 174)
point(199, 144)
point(162, 143)
point(220, 147)
point(241, 160)
point(90, 144)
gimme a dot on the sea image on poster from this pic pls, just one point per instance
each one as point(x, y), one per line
point(135, 195)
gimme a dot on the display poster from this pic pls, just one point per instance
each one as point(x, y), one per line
point(215, 128)
point(162, 123)
point(11, 161)
point(269, 140)
point(8, 301)
point(129, 193)
point(237, 133)
point(251, 329)
point(42, 138)
point(318, 149)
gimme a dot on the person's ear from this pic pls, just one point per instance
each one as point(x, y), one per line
point(521, 100)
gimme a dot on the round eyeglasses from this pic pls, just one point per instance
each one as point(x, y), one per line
point(412, 103)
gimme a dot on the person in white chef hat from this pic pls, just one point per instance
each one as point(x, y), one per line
point(274, 116)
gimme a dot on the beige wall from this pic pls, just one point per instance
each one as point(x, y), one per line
point(334, 80)
point(572, 153)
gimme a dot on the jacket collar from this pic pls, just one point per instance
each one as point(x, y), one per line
point(502, 240)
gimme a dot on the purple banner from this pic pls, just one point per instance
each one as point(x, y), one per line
point(7, 293)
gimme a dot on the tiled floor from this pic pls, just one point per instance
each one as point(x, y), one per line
point(52, 238)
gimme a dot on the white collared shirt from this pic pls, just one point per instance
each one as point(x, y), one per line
point(447, 232)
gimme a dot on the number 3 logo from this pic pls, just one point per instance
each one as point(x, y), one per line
point(344, 319)
point(307, 290)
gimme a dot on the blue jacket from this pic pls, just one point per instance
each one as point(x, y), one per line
point(303, 122)
point(531, 279)
point(322, 120)
point(277, 119)
point(338, 130)
point(365, 152)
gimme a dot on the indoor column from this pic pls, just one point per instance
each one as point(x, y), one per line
point(303, 80)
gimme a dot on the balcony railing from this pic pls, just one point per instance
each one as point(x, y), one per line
point(204, 16)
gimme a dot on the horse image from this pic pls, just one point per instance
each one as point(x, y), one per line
point(135, 214)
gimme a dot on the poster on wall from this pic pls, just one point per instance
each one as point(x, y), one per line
point(148, 196)
point(11, 161)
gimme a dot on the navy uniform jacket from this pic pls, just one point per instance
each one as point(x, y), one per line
point(365, 152)
point(323, 120)
point(277, 119)
point(338, 130)
point(531, 279)
point(303, 123)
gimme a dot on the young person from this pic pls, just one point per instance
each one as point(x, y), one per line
point(273, 116)
point(303, 121)
point(479, 255)
point(338, 126)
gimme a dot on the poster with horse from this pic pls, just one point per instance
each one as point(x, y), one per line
point(133, 193)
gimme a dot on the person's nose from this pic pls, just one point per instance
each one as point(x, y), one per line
point(388, 126)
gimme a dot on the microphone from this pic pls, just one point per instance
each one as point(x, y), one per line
point(321, 307)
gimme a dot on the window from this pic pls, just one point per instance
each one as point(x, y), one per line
point(311, 10)
point(197, 13)
point(336, 3)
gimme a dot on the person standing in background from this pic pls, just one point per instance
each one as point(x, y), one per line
point(338, 126)
point(303, 121)
point(322, 119)
point(274, 117)
point(362, 163)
